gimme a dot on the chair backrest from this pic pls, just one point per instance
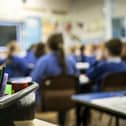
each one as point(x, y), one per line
point(114, 82)
point(56, 92)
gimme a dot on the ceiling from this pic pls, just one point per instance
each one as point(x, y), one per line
point(75, 9)
point(78, 10)
point(65, 5)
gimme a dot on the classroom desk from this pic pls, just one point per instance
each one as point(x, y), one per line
point(112, 103)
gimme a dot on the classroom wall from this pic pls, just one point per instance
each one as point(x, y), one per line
point(89, 12)
point(120, 8)
point(78, 10)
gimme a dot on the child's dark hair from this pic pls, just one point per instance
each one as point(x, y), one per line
point(114, 46)
point(55, 43)
point(40, 49)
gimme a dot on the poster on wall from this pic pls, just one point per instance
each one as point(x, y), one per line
point(32, 31)
point(49, 26)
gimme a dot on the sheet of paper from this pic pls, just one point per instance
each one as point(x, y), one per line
point(83, 79)
point(82, 65)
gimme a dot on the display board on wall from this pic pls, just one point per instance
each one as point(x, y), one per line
point(32, 31)
point(9, 31)
point(119, 27)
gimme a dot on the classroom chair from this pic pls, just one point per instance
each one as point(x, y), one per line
point(56, 92)
point(114, 82)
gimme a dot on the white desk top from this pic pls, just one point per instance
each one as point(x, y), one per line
point(114, 103)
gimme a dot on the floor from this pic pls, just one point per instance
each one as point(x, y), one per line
point(35, 122)
point(98, 119)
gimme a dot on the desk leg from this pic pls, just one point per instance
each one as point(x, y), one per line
point(83, 115)
point(86, 116)
point(117, 121)
point(78, 115)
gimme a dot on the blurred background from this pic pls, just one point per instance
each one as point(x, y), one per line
point(81, 21)
point(26, 25)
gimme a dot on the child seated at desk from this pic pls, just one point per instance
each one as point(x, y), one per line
point(54, 63)
point(113, 63)
point(15, 65)
point(33, 56)
point(83, 62)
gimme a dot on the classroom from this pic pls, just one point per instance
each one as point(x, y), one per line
point(62, 63)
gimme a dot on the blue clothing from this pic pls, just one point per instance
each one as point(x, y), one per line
point(16, 67)
point(99, 72)
point(81, 58)
point(30, 58)
point(2, 61)
point(48, 66)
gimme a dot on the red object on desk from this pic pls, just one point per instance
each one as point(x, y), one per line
point(19, 83)
point(19, 86)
